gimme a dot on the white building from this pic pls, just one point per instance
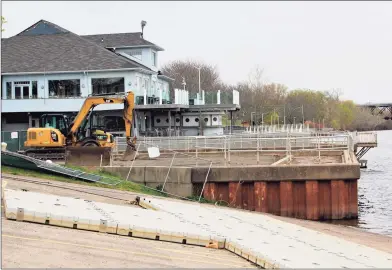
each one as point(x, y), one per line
point(47, 69)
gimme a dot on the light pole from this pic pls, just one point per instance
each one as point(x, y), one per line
point(199, 68)
point(251, 117)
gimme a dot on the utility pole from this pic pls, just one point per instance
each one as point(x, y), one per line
point(303, 117)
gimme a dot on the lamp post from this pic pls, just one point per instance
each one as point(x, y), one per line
point(199, 68)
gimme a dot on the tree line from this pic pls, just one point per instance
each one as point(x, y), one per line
point(273, 103)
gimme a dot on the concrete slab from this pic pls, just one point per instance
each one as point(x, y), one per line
point(264, 240)
point(103, 217)
point(273, 242)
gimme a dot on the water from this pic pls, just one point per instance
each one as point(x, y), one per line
point(375, 187)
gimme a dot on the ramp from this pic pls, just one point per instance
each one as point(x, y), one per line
point(13, 159)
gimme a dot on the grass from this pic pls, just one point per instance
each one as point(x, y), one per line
point(110, 178)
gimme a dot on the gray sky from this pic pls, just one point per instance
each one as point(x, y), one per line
point(316, 45)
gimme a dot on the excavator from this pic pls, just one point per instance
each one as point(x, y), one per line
point(57, 133)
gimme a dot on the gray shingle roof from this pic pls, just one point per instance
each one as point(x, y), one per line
point(59, 51)
point(120, 40)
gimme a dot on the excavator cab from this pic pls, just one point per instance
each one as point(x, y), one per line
point(57, 121)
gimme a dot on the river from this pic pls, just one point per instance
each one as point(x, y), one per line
point(375, 187)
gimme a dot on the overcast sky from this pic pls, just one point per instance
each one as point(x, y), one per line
point(316, 45)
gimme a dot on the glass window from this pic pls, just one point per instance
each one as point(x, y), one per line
point(108, 85)
point(64, 88)
point(154, 59)
point(136, 53)
point(17, 92)
point(25, 92)
point(34, 90)
point(9, 90)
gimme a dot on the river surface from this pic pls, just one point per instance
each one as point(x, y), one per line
point(375, 188)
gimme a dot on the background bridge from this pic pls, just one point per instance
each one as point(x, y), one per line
point(379, 109)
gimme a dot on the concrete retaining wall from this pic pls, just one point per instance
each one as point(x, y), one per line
point(178, 181)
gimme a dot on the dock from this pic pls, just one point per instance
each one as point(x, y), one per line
point(258, 238)
point(303, 175)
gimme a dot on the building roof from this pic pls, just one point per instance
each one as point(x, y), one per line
point(119, 40)
point(46, 47)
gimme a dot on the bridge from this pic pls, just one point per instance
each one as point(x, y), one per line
point(379, 109)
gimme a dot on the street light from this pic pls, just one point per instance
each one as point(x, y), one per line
point(199, 68)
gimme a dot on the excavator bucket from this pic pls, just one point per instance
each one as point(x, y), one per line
point(131, 151)
point(87, 156)
point(129, 154)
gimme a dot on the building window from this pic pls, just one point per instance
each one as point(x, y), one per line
point(9, 90)
point(167, 120)
point(136, 53)
point(158, 120)
point(34, 89)
point(215, 119)
point(196, 119)
point(17, 92)
point(187, 120)
point(108, 85)
point(206, 119)
point(177, 120)
point(64, 88)
point(154, 59)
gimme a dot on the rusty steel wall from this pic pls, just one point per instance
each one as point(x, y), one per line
point(312, 200)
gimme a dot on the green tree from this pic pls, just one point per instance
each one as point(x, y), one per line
point(346, 112)
point(3, 21)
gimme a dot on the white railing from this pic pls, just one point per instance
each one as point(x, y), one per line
point(365, 137)
point(242, 143)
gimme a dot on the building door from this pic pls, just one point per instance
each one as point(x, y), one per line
point(22, 90)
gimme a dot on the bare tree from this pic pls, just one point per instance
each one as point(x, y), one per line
point(179, 70)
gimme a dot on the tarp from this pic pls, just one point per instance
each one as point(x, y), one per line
point(13, 159)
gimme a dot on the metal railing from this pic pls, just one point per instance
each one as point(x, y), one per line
point(364, 137)
point(286, 143)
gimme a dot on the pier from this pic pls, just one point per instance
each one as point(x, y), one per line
point(303, 174)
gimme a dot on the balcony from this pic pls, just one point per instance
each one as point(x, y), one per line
point(50, 105)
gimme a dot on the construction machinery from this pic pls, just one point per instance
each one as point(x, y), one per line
point(57, 133)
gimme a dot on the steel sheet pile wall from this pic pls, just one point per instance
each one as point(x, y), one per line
point(313, 200)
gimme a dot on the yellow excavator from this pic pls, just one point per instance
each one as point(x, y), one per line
point(56, 133)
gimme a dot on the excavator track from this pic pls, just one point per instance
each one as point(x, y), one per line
point(45, 154)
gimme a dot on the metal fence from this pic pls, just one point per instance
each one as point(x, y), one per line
point(243, 143)
point(14, 140)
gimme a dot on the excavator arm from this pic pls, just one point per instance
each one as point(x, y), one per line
point(93, 101)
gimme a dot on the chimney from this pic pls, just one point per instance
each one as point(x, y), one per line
point(143, 24)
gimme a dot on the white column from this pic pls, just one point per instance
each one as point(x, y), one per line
point(12, 91)
point(30, 90)
point(175, 96)
point(160, 96)
point(145, 92)
point(218, 97)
